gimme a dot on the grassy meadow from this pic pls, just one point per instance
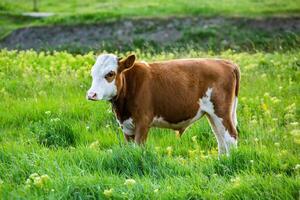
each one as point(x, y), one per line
point(54, 144)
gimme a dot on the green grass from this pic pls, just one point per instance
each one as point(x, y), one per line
point(54, 144)
point(150, 8)
point(39, 89)
point(93, 11)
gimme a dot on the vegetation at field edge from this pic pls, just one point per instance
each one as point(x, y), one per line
point(93, 11)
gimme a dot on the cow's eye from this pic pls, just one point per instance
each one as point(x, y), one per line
point(110, 75)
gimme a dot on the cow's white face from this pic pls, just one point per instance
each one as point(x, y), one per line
point(104, 74)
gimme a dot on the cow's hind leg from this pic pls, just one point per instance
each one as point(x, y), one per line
point(221, 122)
point(224, 131)
point(234, 115)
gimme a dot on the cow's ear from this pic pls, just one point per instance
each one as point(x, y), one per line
point(126, 63)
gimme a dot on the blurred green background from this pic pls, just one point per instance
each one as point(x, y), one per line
point(237, 14)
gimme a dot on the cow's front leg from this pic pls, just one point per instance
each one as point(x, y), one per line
point(141, 133)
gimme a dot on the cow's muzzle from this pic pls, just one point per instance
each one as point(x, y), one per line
point(92, 96)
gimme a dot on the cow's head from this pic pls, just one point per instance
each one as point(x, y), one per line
point(106, 74)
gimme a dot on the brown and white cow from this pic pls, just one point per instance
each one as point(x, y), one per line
point(170, 94)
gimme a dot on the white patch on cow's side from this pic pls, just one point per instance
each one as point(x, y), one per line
point(225, 141)
point(205, 103)
point(128, 126)
point(160, 122)
point(100, 86)
point(234, 115)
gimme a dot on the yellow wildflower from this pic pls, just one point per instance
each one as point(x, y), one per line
point(267, 94)
point(297, 140)
point(28, 181)
point(48, 112)
point(214, 151)
point(32, 176)
point(181, 160)
point(108, 193)
point(295, 132)
point(294, 123)
point(278, 175)
point(94, 145)
point(253, 121)
point(38, 181)
point(45, 178)
point(109, 150)
point(194, 139)
point(275, 100)
point(236, 181)
point(264, 107)
point(169, 150)
point(129, 182)
point(283, 152)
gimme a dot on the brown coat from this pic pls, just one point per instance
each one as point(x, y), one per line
point(170, 91)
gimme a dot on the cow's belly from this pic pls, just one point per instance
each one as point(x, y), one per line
point(162, 123)
point(128, 125)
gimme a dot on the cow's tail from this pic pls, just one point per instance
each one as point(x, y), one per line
point(237, 79)
point(237, 87)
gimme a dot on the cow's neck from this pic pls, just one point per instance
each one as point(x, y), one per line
point(119, 103)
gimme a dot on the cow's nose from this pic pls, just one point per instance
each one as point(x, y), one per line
point(92, 96)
